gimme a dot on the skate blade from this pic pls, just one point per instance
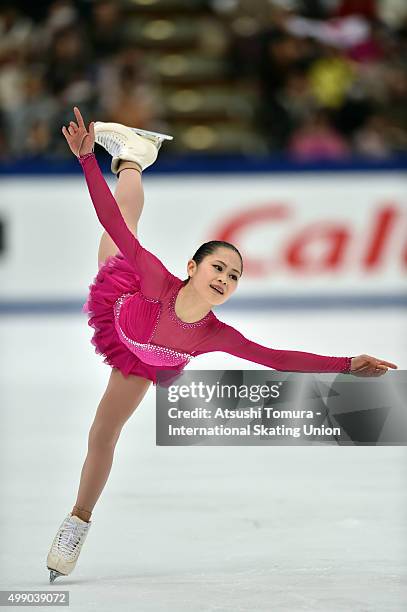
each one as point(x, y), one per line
point(153, 134)
point(54, 574)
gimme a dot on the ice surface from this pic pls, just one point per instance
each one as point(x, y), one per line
point(188, 529)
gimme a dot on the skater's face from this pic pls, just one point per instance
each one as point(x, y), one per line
point(222, 269)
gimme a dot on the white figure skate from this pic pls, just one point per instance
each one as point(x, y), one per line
point(67, 544)
point(130, 144)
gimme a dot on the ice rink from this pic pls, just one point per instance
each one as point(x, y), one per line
point(188, 529)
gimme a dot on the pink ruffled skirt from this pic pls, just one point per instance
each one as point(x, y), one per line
point(114, 278)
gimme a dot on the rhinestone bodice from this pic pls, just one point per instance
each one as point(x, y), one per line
point(147, 310)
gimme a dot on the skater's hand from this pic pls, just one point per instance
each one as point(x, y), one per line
point(365, 365)
point(79, 139)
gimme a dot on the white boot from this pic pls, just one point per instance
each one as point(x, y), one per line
point(130, 144)
point(67, 544)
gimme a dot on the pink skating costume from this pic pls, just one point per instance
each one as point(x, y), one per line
point(131, 306)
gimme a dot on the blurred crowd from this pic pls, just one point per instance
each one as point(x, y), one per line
point(330, 75)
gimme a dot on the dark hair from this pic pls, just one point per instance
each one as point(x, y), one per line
point(207, 248)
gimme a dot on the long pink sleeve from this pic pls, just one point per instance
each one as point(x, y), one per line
point(153, 274)
point(229, 340)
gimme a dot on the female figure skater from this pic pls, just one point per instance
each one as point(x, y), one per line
point(146, 319)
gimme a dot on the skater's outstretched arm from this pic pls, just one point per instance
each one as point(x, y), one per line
point(153, 274)
point(230, 340)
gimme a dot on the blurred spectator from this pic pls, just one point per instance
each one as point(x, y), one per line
point(331, 77)
point(126, 91)
point(107, 30)
point(317, 139)
point(393, 12)
point(4, 153)
point(68, 58)
point(367, 8)
point(15, 31)
point(374, 138)
point(31, 121)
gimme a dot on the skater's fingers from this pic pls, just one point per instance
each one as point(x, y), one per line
point(366, 372)
point(361, 368)
point(389, 364)
point(78, 117)
point(92, 130)
point(71, 130)
point(65, 132)
point(377, 372)
point(73, 125)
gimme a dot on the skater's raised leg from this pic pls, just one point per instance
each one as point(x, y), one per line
point(132, 150)
point(129, 195)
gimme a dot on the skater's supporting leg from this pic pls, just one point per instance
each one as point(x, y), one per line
point(119, 401)
point(129, 195)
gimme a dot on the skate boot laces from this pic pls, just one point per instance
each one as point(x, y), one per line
point(112, 142)
point(70, 538)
